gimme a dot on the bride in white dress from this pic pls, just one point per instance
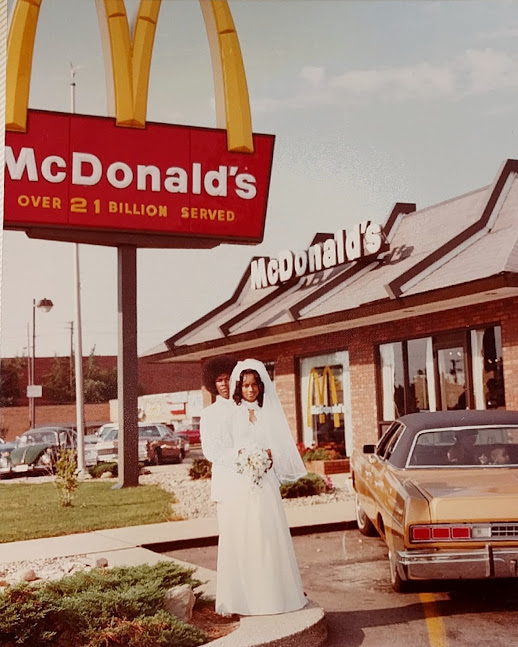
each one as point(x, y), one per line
point(257, 568)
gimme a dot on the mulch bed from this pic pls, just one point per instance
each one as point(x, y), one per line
point(215, 625)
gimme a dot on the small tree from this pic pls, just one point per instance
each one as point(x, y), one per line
point(66, 480)
point(99, 385)
point(58, 386)
point(10, 389)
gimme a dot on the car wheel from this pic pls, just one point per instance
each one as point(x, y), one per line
point(365, 525)
point(398, 584)
point(157, 457)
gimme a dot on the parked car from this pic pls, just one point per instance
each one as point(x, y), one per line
point(156, 444)
point(191, 431)
point(442, 491)
point(5, 451)
point(37, 450)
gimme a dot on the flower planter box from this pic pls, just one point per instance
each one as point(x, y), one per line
point(335, 466)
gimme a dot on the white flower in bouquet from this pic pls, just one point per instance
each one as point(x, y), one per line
point(253, 462)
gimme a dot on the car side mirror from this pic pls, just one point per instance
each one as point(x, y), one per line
point(369, 449)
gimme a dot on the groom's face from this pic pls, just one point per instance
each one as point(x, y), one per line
point(223, 385)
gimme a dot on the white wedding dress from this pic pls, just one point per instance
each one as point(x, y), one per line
point(257, 567)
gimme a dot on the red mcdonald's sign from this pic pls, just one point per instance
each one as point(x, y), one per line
point(85, 173)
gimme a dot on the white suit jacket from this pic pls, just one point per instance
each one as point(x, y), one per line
point(217, 445)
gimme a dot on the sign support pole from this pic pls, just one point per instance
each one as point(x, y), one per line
point(127, 367)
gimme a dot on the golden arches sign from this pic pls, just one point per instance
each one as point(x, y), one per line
point(320, 383)
point(129, 57)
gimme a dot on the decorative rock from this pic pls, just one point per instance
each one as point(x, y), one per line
point(28, 575)
point(106, 475)
point(101, 562)
point(179, 602)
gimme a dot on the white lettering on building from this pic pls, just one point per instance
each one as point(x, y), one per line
point(363, 240)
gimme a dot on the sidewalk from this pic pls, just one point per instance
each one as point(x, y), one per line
point(142, 545)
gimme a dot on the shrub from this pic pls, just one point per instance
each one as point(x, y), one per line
point(201, 468)
point(96, 470)
point(308, 485)
point(119, 606)
point(318, 452)
point(66, 480)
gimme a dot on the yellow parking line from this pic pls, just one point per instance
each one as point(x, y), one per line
point(434, 623)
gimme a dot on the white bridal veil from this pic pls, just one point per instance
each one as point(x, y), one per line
point(287, 462)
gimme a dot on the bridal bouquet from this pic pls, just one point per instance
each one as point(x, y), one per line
point(253, 463)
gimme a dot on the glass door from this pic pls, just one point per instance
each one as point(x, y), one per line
point(452, 373)
point(326, 401)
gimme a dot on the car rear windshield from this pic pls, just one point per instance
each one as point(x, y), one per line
point(465, 447)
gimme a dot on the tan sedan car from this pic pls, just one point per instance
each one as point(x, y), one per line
point(442, 491)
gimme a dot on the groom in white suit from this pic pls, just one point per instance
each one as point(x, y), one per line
point(216, 442)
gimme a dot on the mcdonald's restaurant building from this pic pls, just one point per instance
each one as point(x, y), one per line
point(420, 314)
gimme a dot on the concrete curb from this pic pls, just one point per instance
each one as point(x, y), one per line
point(306, 627)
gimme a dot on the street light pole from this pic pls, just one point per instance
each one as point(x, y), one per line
point(80, 413)
point(45, 305)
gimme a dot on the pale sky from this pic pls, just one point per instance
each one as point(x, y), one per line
point(371, 103)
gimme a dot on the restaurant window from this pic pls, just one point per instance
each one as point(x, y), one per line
point(325, 401)
point(452, 357)
point(488, 370)
point(455, 370)
point(407, 383)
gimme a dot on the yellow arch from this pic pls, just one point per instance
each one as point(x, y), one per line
point(230, 87)
point(128, 62)
point(321, 383)
point(130, 57)
point(20, 47)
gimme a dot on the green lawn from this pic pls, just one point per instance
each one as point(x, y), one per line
point(32, 510)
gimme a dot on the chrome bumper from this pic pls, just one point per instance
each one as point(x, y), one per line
point(475, 564)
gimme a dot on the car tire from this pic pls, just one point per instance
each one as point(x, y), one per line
point(157, 457)
point(365, 525)
point(398, 584)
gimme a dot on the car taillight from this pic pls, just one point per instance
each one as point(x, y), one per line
point(461, 532)
point(443, 532)
point(420, 533)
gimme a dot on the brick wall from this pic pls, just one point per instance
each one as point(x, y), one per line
point(16, 419)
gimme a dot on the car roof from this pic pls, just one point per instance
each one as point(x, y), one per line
point(47, 428)
point(416, 422)
point(431, 419)
point(140, 424)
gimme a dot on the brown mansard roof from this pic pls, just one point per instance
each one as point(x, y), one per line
point(459, 252)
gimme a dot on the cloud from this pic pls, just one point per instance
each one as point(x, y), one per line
point(500, 34)
point(488, 70)
point(422, 80)
point(474, 71)
point(313, 75)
